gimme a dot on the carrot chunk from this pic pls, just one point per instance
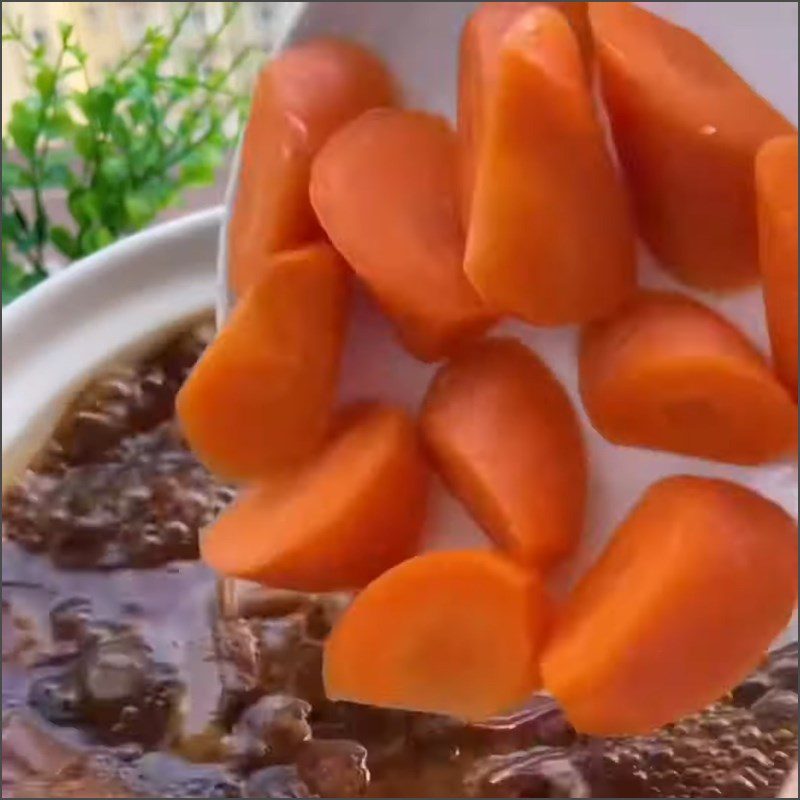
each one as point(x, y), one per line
point(455, 633)
point(687, 128)
point(670, 374)
point(507, 441)
point(776, 183)
point(481, 40)
point(550, 238)
point(340, 521)
point(696, 583)
point(301, 98)
point(260, 397)
point(384, 188)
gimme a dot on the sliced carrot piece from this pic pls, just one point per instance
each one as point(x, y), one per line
point(301, 97)
point(261, 395)
point(687, 129)
point(454, 633)
point(776, 182)
point(503, 433)
point(550, 238)
point(696, 583)
point(670, 374)
point(343, 519)
point(384, 188)
point(577, 14)
point(481, 40)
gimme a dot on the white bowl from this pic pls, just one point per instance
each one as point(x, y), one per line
point(102, 308)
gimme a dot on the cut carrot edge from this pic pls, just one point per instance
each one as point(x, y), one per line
point(454, 632)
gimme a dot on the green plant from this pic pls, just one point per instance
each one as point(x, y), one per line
point(122, 149)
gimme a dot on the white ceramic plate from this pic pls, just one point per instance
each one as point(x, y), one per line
point(420, 43)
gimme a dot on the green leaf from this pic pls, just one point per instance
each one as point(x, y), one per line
point(84, 206)
point(103, 237)
point(114, 169)
point(16, 176)
point(98, 105)
point(184, 83)
point(12, 228)
point(78, 53)
point(16, 230)
point(45, 81)
point(85, 142)
point(141, 207)
point(16, 280)
point(158, 48)
point(200, 165)
point(120, 132)
point(84, 101)
point(59, 124)
point(147, 157)
point(94, 239)
point(64, 241)
point(23, 128)
point(138, 111)
point(65, 31)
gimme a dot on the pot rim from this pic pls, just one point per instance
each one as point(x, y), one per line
point(107, 306)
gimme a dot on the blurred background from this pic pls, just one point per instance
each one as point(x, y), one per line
point(116, 115)
point(107, 29)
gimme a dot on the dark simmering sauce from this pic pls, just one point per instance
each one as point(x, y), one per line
point(130, 671)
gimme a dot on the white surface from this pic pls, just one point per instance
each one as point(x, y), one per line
point(112, 303)
point(419, 41)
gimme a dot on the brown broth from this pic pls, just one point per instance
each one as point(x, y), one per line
point(129, 671)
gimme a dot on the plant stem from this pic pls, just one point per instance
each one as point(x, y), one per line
point(230, 11)
point(23, 221)
point(38, 163)
point(89, 171)
point(19, 213)
point(178, 22)
point(199, 109)
point(178, 156)
point(15, 34)
point(235, 63)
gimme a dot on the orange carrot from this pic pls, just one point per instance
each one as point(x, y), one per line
point(343, 519)
point(454, 633)
point(481, 40)
point(687, 128)
point(550, 239)
point(384, 188)
point(670, 374)
point(301, 97)
point(776, 183)
point(504, 435)
point(260, 397)
point(696, 583)
point(577, 14)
